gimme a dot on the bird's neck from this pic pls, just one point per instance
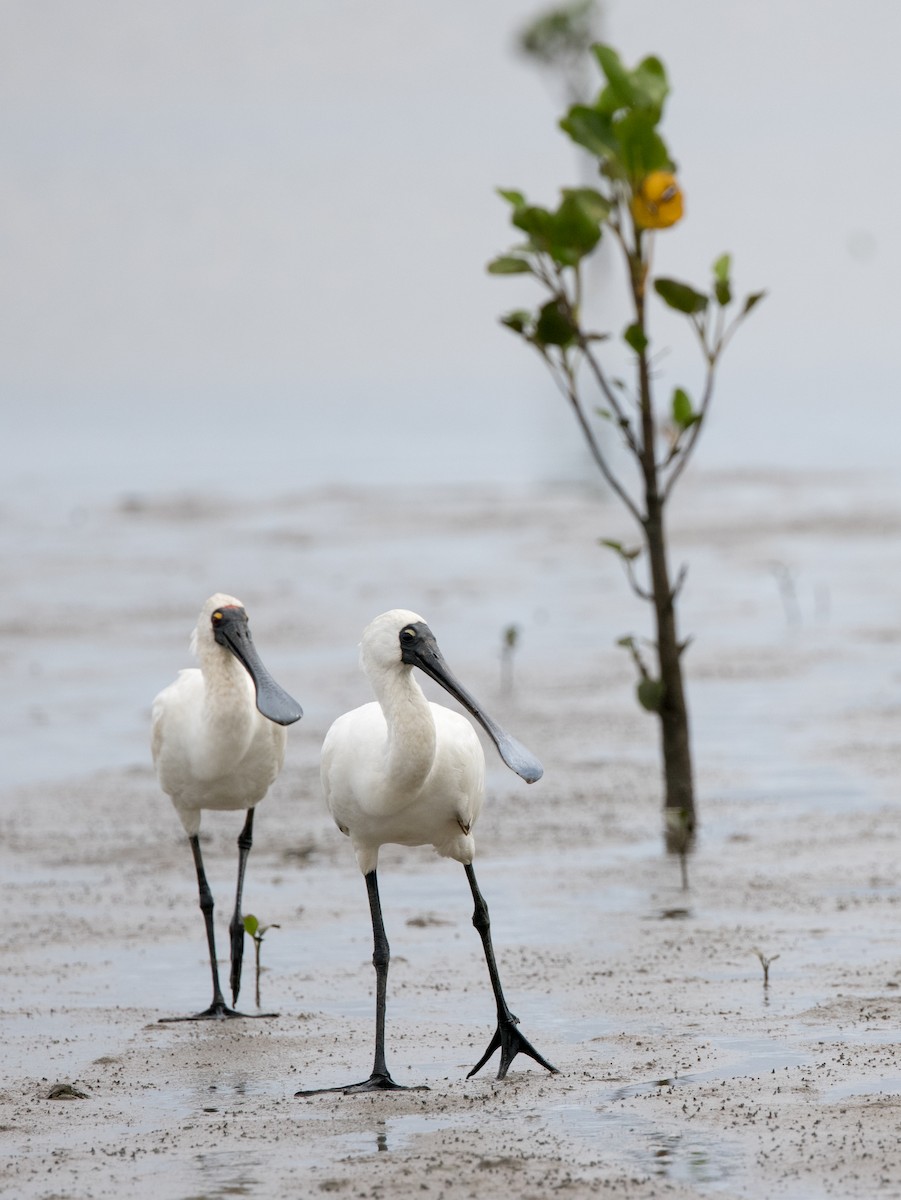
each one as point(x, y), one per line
point(410, 748)
point(229, 708)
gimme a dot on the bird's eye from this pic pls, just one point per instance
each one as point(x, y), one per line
point(408, 634)
point(217, 617)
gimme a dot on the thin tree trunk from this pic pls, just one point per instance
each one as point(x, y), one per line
point(679, 806)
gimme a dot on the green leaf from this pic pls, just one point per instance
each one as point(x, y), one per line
point(251, 924)
point(509, 264)
point(722, 267)
point(554, 327)
point(650, 84)
point(683, 413)
point(591, 129)
point(593, 205)
point(628, 553)
point(568, 233)
point(519, 320)
point(644, 88)
point(650, 694)
point(535, 221)
point(680, 296)
point(636, 337)
point(576, 226)
point(642, 149)
point(753, 299)
point(619, 81)
point(722, 288)
point(558, 35)
point(515, 198)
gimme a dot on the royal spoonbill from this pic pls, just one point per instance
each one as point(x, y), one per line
point(218, 742)
point(402, 770)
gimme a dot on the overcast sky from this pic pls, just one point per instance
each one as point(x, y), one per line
point(248, 241)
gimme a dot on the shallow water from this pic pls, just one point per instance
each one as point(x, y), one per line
point(794, 729)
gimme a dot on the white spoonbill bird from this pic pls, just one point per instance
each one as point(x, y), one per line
point(218, 742)
point(405, 771)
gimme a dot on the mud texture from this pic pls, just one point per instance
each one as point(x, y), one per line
point(681, 1075)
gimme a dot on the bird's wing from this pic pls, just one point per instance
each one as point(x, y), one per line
point(352, 753)
point(329, 756)
point(157, 717)
point(171, 700)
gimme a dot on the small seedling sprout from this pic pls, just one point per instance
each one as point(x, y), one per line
point(765, 963)
point(254, 929)
point(508, 649)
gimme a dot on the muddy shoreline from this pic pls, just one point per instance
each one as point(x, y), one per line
point(680, 1074)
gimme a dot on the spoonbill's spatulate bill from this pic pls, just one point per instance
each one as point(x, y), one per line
point(218, 742)
point(405, 771)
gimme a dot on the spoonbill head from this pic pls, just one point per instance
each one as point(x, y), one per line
point(418, 648)
point(404, 770)
point(218, 742)
point(228, 623)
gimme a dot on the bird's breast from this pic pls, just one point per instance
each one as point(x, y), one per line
point(378, 799)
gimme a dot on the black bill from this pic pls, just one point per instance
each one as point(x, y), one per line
point(419, 649)
point(232, 630)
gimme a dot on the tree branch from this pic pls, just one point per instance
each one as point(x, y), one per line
point(564, 378)
point(609, 394)
point(594, 366)
point(677, 586)
point(685, 450)
point(636, 587)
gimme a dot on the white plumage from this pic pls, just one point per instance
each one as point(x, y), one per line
point(403, 770)
point(417, 781)
point(218, 742)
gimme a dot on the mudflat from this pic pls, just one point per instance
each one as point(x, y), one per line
point(681, 1074)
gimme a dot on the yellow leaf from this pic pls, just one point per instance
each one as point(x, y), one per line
point(658, 202)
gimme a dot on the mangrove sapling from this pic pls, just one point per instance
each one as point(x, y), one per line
point(255, 930)
point(765, 963)
point(637, 195)
point(508, 649)
point(788, 594)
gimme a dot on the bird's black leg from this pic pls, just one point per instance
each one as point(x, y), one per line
point(218, 1009)
point(380, 1080)
point(236, 928)
point(381, 956)
point(507, 1036)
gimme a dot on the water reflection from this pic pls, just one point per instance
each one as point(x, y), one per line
point(227, 1173)
point(381, 1136)
point(758, 1056)
point(687, 1159)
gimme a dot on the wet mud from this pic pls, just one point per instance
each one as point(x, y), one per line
point(681, 1075)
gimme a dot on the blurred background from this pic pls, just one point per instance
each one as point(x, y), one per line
point(243, 247)
point(243, 273)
